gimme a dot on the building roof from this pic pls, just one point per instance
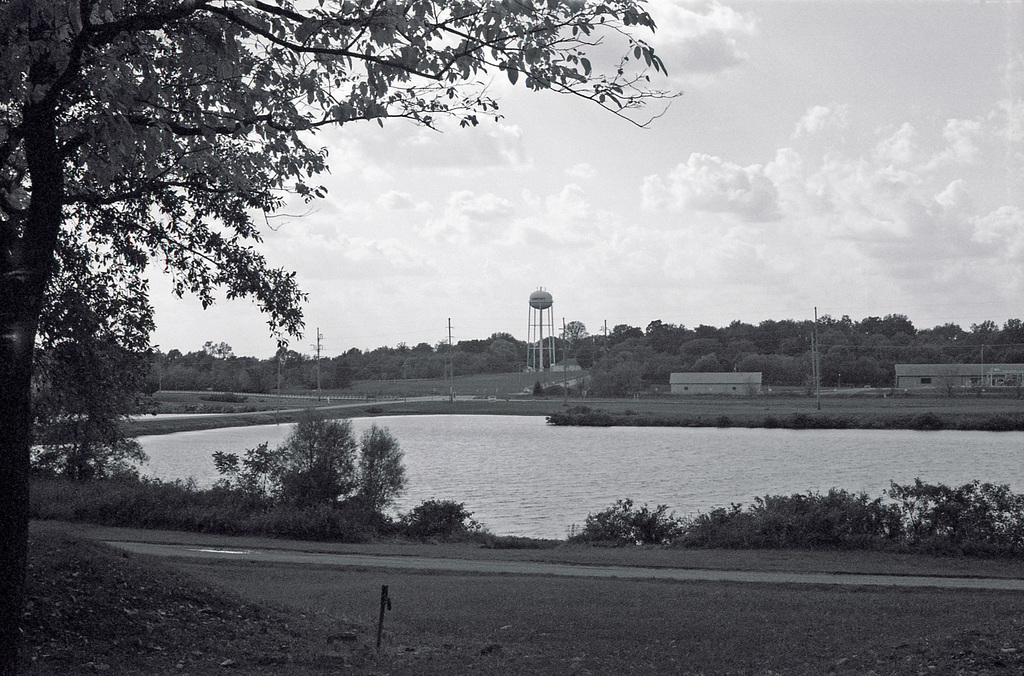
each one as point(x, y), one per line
point(723, 378)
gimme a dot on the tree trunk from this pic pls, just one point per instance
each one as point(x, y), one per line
point(26, 263)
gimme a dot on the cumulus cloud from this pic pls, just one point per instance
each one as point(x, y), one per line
point(898, 147)
point(468, 216)
point(821, 118)
point(700, 37)
point(708, 183)
point(1003, 229)
point(396, 200)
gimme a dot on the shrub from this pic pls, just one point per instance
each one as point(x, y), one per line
point(975, 518)
point(624, 524)
point(583, 416)
point(439, 518)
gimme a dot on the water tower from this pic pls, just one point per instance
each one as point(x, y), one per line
point(540, 342)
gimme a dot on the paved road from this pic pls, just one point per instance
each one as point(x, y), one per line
point(414, 563)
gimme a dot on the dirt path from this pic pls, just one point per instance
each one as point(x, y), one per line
point(558, 569)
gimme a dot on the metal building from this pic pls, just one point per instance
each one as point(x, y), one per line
point(956, 376)
point(733, 383)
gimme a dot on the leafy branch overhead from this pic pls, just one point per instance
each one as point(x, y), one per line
point(174, 122)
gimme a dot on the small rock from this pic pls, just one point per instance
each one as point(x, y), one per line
point(229, 663)
point(492, 649)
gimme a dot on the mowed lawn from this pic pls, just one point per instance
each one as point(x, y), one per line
point(507, 624)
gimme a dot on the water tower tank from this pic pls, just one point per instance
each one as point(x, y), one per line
point(541, 300)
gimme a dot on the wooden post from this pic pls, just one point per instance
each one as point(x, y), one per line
point(385, 604)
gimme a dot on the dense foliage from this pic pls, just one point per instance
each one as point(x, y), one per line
point(139, 502)
point(980, 519)
point(628, 360)
point(320, 466)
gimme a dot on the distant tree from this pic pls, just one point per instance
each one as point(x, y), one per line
point(575, 331)
point(623, 332)
point(381, 472)
point(586, 353)
point(503, 357)
point(1012, 332)
point(218, 350)
point(621, 379)
point(985, 330)
point(709, 363)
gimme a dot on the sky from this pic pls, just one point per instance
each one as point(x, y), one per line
point(858, 157)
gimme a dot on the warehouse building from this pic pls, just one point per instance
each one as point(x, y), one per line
point(955, 376)
point(730, 382)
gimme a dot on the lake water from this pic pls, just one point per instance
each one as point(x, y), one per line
point(520, 476)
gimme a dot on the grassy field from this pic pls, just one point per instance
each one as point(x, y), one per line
point(92, 610)
point(856, 408)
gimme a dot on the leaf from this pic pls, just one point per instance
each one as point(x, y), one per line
point(513, 75)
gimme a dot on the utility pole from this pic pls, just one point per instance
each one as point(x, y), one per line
point(451, 365)
point(318, 346)
point(814, 360)
point(565, 364)
point(282, 355)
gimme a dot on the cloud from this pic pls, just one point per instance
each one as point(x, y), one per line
point(1002, 230)
point(378, 154)
point(961, 143)
point(821, 118)
point(700, 37)
point(708, 183)
point(395, 200)
point(899, 147)
point(469, 216)
point(582, 170)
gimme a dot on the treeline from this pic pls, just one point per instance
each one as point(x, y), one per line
point(215, 367)
point(625, 360)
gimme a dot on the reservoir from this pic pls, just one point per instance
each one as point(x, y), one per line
point(520, 476)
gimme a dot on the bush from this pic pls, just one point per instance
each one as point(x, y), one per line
point(624, 524)
point(583, 416)
point(439, 519)
point(975, 518)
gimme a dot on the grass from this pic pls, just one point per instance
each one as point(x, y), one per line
point(92, 610)
point(875, 411)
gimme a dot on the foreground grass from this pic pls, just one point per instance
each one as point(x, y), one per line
point(91, 610)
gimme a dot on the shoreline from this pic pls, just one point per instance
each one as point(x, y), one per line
point(903, 412)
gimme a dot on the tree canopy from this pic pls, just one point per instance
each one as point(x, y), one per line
point(138, 133)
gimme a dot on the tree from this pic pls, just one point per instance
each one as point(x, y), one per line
point(139, 130)
point(381, 473)
point(84, 392)
point(316, 463)
point(91, 363)
point(575, 332)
